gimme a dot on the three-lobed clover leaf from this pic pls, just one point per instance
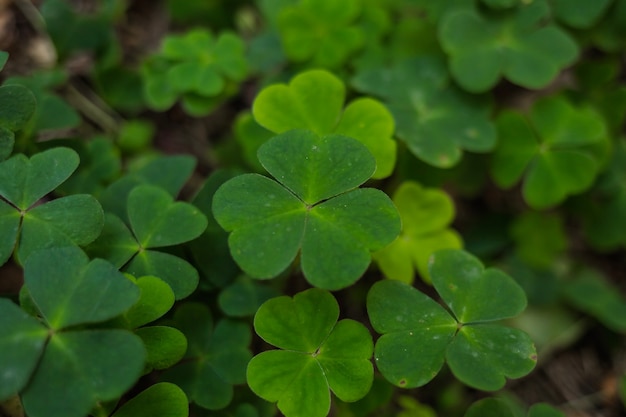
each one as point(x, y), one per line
point(314, 100)
point(195, 67)
point(313, 207)
point(418, 334)
point(317, 354)
point(53, 363)
point(323, 32)
point(156, 221)
point(426, 214)
point(516, 44)
point(216, 357)
point(436, 120)
point(71, 220)
point(553, 148)
point(17, 105)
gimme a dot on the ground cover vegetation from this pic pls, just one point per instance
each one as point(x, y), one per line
point(253, 208)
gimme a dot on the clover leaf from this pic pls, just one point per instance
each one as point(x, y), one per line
point(502, 408)
point(538, 251)
point(168, 172)
point(314, 100)
point(69, 292)
point(17, 105)
point(579, 14)
point(195, 67)
point(418, 334)
point(317, 354)
point(162, 399)
point(435, 119)
point(156, 221)
point(216, 357)
point(323, 32)
point(314, 208)
point(52, 112)
point(515, 44)
point(425, 215)
point(552, 148)
point(71, 220)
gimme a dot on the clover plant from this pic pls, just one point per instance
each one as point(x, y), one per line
point(514, 44)
point(197, 68)
point(554, 148)
point(316, 354)
point(192, 195)
point(418, 334)
point(435, 119)
point(313, 206)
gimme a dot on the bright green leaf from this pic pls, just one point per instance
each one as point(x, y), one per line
point(155, 299)
point(68, 289)
point(320, 354)
point(162, 399)
point(165, 346)
point(116, 243)
point(314, 100)
point(425, 215)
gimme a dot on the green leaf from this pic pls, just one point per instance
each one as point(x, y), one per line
point(320, 354)
point(23, 181)
point(590, 292)
point(9, 228)
point(321, 31)
point(489, 407)
point(165, 346)
point(481, 356)
point(162, 399)
point(552, 148)
point(93, 365)
point(314, 100)
point(243, 297)
point(68, 289)
point(512, 44)
point(435, 119)
point(17, 105)
point(72, 220)
point(215, 360)
point(425, 215)
point(540, 252)
point(158, 221)
point(21, 346)
point(155, 299)
point(116, 243)
point(330, 227)
point(179, 274)
point(544, 410)
point(210, 251)
point(478, 294)
point(4, 57)
point(415, 333)
point(7, 141)
point(168, 172)
point(579, 14)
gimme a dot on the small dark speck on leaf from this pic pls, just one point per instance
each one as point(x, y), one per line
point(402, 382)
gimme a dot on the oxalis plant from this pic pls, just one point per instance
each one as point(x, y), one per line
point(313, 208)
